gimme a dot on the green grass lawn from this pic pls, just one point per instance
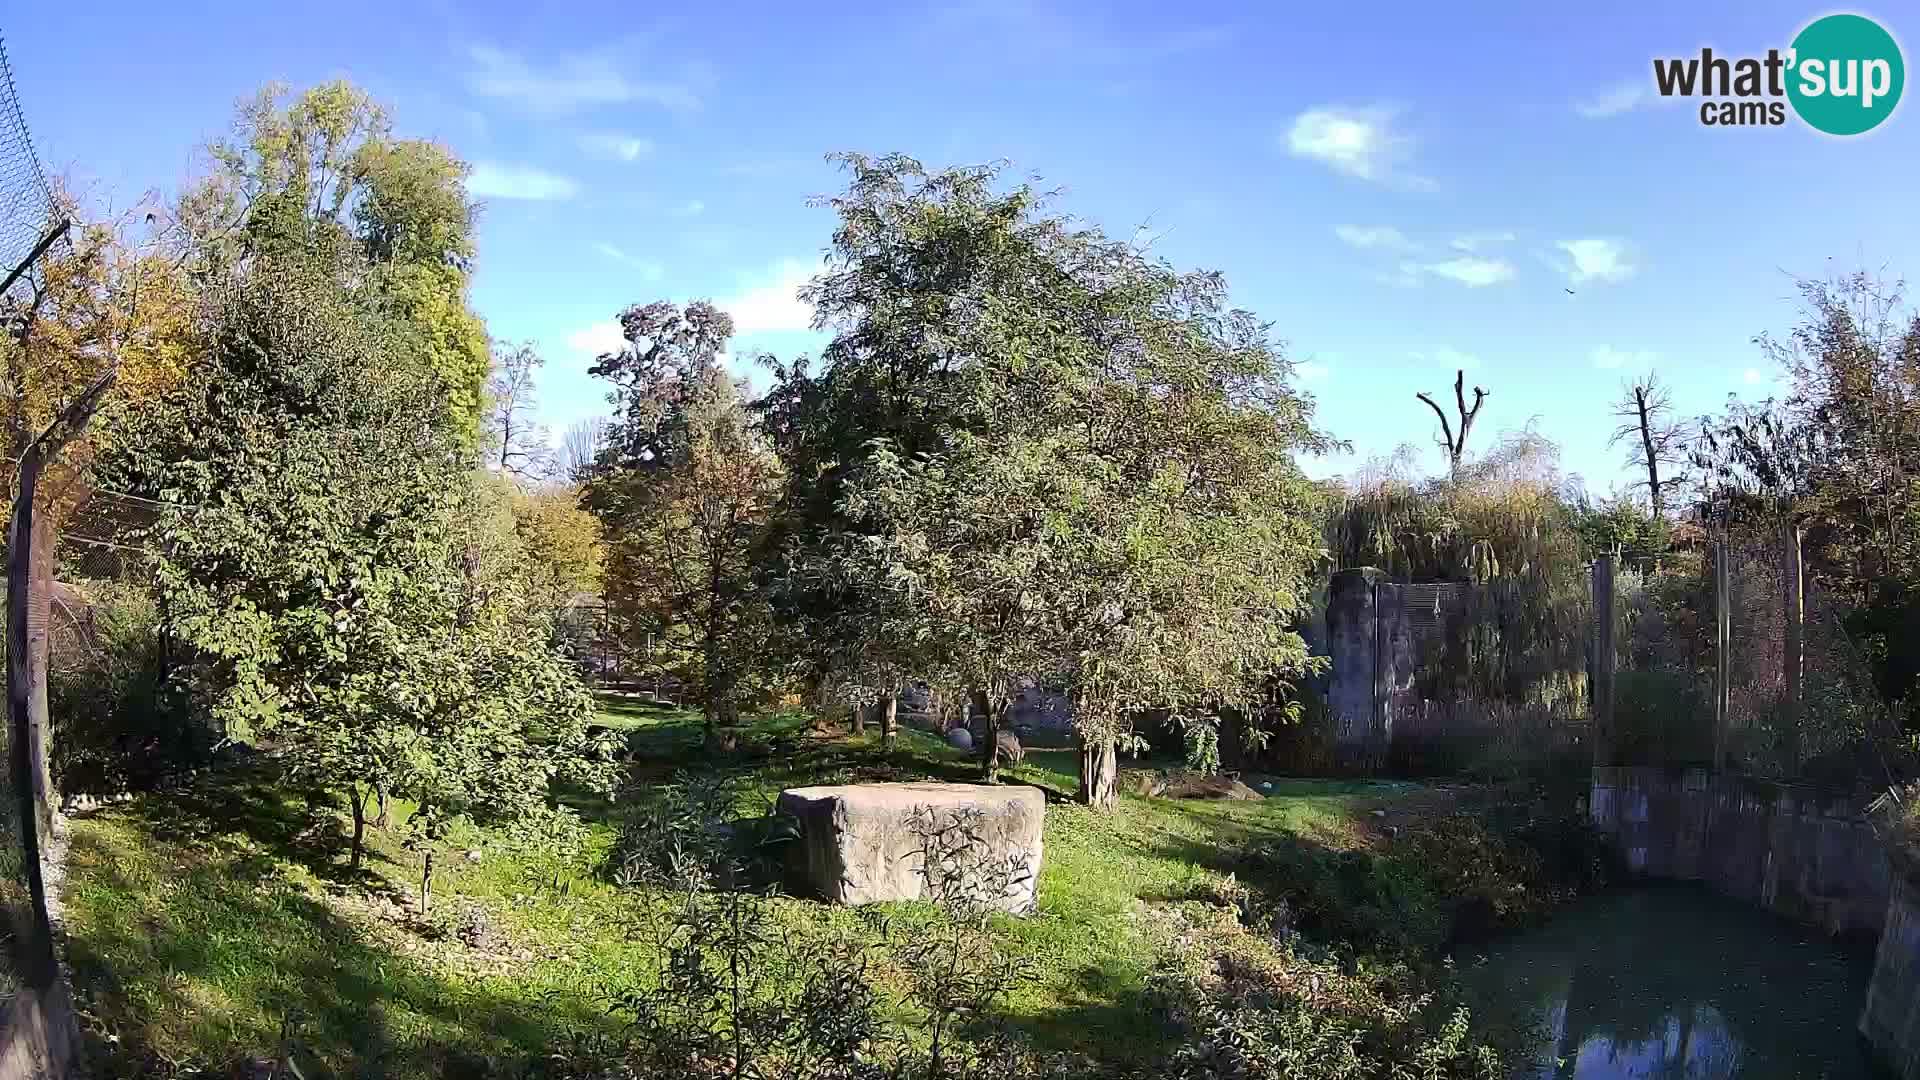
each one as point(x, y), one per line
point(203, 921)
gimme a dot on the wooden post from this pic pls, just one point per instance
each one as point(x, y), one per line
point(1603, 660)
point(36, 950)
point(1796, 616)
point(1722, 653)
point(26, 687)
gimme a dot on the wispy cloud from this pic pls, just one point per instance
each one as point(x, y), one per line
point(650, 270)
point(1312, 371)
point(1469, 270)
point(1753, 377)
point(601, 337)
point(690, 208)
point(1608, 358)
point(1448, 357)
point(1481, 241)
point(1472, 272)
point(1361, 142)
point(1596, 259)
point(772, 303)
point(1373, 237)
point(1616, 99)
point(575, 82)
point(493, 180)
point(615, 146)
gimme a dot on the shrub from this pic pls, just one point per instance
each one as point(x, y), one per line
point(118, 724)
point(1246, 1010)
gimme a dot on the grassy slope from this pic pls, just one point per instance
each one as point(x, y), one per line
point(200, 921)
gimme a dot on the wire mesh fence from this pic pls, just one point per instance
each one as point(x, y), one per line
point(27, 208)
point(1735, 654)
point(28, 217)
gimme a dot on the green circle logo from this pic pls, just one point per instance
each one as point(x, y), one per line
point(1845, 74)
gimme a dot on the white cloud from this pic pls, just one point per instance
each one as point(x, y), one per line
point(491, 180)
point(1616, 99)
point(1596, 259)
point(690, 208)
point(1753, 377)
point(1312, 371)
point(1470, 271)
point(649, 269)
point(601, 337)
point(774, 303)
point(615, 146)
point(1448, 357)
point(1608, 358)
point(1384, 237)
point(575, 83)
point(1480, 241)
point(1357, 142)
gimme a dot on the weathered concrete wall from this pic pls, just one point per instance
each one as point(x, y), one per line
point(1811, 857)
point(1890, 1020)
point(1370, 644)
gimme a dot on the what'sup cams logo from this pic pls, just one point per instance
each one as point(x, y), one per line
point(1842, 75)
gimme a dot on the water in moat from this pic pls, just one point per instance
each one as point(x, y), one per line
point(1675, 982)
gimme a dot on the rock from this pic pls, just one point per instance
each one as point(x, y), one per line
point(1379, 813)
point(960, 739)
point(858, 843)
point(473, 855)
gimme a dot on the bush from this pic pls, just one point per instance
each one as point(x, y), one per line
point(118, 723)
point(1248, 1011)
point(1661, 717)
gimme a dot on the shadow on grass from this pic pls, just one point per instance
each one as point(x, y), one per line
point(190, 950)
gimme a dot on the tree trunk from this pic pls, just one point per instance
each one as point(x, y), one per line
point(889, 720)
point(1099, 773)
point(859, 718)
point(380, 818)
point(426, 880)
point(990, 732)
point(358, 800)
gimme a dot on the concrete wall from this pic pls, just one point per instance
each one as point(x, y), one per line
point(1890, 1020)
point(1811, 857)
point(1370, 645)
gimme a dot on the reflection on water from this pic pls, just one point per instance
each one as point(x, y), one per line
point(1675, 982)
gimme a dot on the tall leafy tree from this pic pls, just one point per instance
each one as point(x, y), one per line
point(684, 488)
point(321, 175)
point(314, 558)
point(1058, 457)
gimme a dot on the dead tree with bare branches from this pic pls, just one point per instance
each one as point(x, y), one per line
point(1456, 445)
point(1656, 441)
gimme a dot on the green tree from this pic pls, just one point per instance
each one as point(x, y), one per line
point(1068, 461)
point(314, 558)
point(319, 175)
point(683, 489)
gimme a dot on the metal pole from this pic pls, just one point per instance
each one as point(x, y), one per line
point(1723, 640)
point(39, 249)
point(1795, 662)
point(1603, 660)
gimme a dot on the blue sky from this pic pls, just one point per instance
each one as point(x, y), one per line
point(1402, 188)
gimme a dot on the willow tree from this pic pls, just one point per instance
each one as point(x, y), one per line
point(1089, 479)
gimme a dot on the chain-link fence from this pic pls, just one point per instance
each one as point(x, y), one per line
point(1734, 652)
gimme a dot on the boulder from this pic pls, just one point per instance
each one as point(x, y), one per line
point(960, 739)
point(862, 843)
